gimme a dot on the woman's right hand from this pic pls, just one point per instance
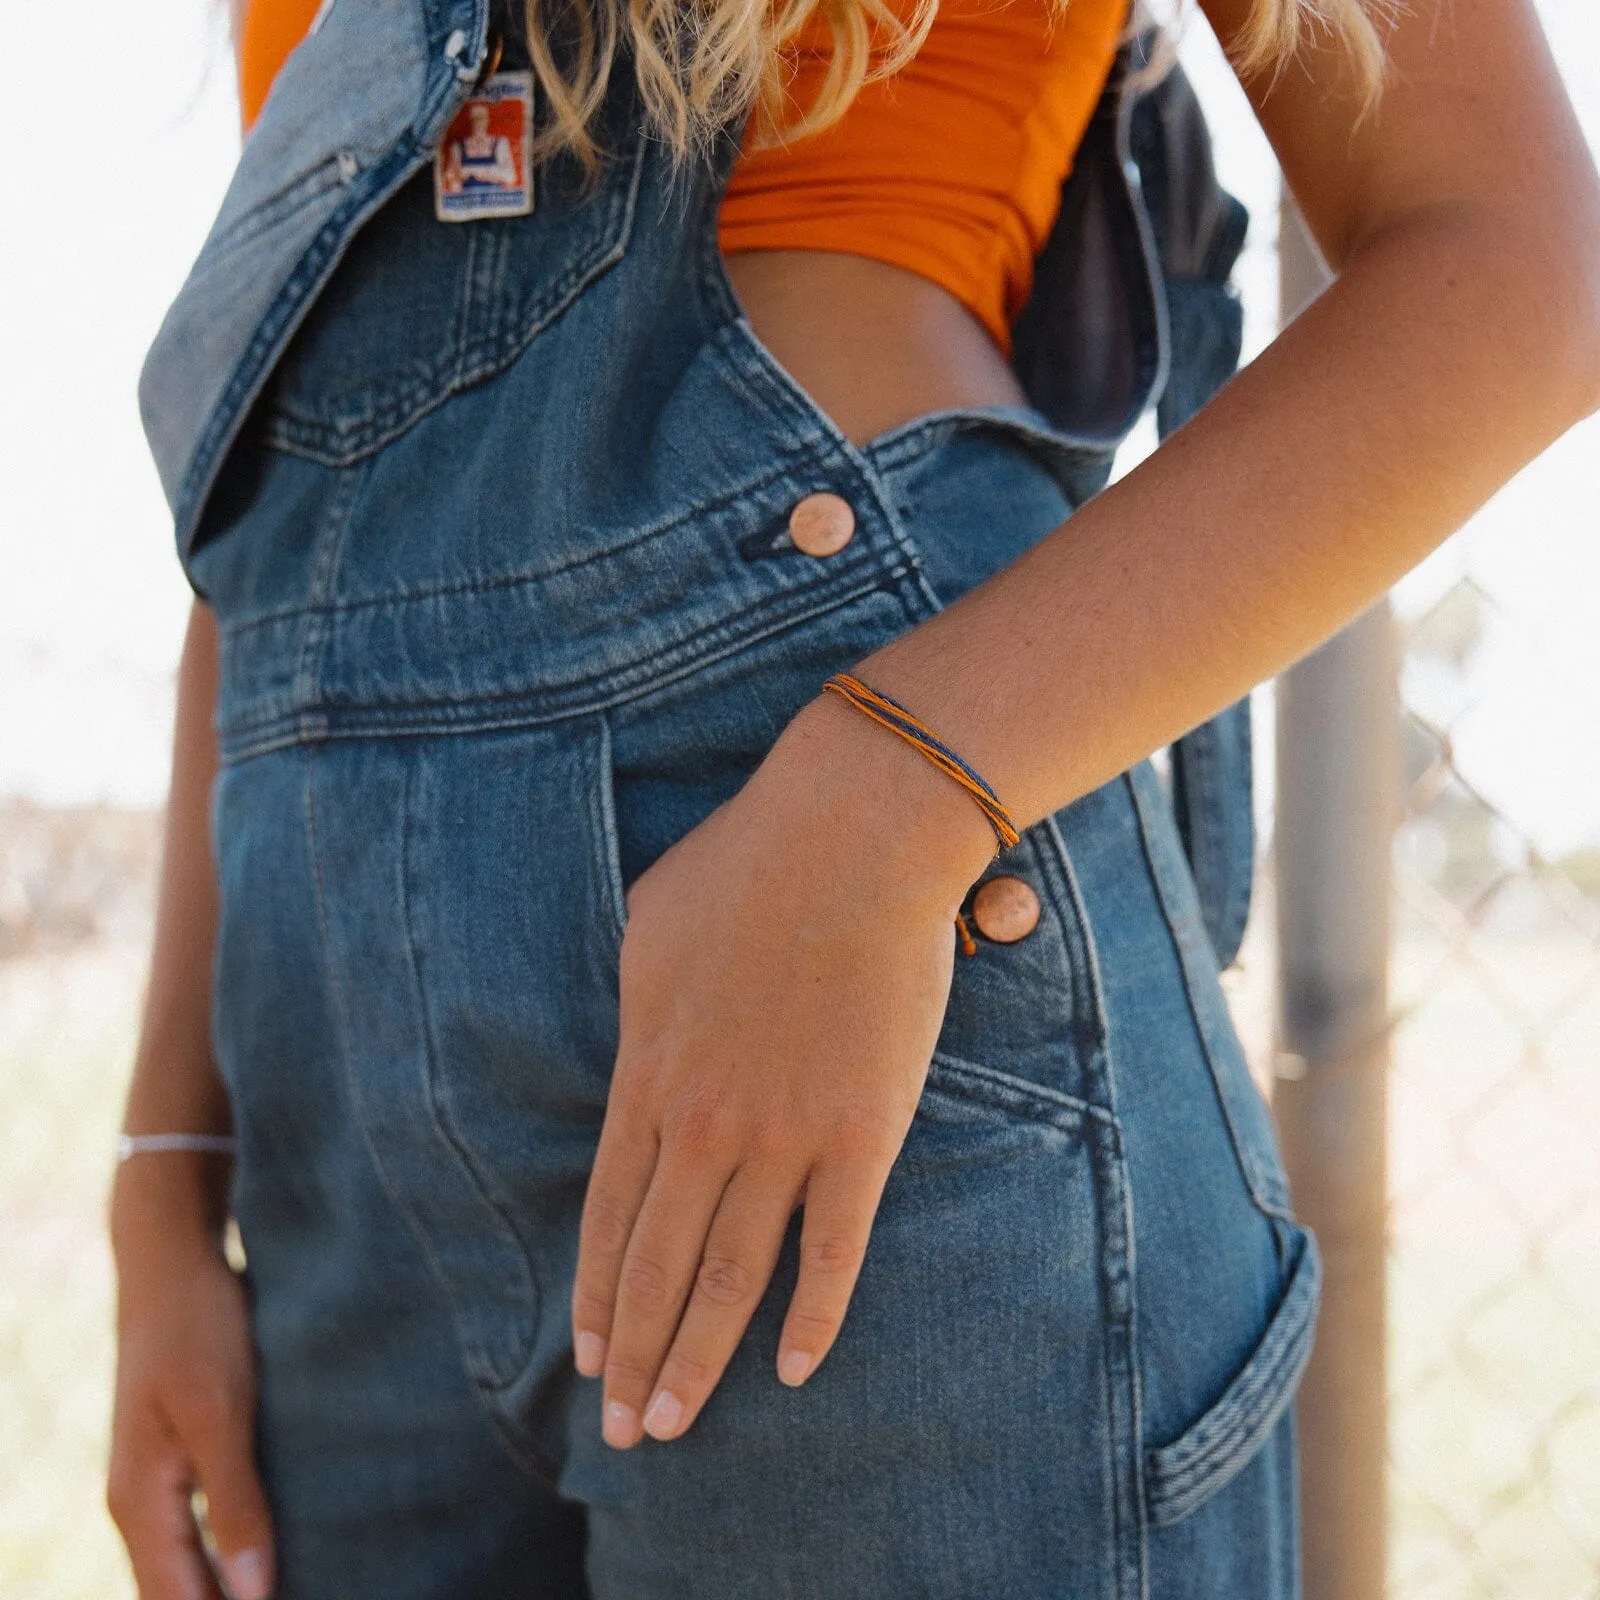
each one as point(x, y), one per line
point(184, 1416)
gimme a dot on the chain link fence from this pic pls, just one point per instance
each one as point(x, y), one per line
point(1494, 1233)
point(1493, 1343)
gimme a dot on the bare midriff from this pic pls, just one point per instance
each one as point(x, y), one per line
point(874, 345)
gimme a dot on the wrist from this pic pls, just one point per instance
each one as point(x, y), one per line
point(169, 1206)
point(900, 816)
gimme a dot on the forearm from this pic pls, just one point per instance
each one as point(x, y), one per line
point(1433, 369)
point(175, 1086)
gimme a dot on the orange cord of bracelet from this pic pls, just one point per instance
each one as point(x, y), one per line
point(892, 715)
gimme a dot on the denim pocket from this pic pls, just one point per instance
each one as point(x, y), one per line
point(1026, 1010)
point(1182, 1475)
point(419, 309)
point(458, 883)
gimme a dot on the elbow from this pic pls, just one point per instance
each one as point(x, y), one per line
point(1548, 315)
point(1586, 353)
point(1571, 268)
point(1520, 280)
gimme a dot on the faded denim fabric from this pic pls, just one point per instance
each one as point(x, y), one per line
point(499, 555)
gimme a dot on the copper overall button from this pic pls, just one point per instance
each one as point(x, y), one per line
point(1005, 910)
point(822, 524)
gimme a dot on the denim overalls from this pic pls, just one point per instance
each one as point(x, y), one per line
point(494, 520)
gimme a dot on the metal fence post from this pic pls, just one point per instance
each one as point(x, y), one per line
point(1338, 789)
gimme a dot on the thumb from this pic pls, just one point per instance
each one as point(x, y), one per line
point(236, 1508)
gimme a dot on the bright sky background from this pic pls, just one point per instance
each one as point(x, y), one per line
point(106, 195)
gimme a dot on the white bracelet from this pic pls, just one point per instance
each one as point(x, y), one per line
point(134, 1144)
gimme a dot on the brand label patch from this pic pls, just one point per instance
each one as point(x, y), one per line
point(482, 167)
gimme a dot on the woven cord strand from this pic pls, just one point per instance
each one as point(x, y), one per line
point(892, 715)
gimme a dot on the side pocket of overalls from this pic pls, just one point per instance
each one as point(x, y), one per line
point(1183, 1473)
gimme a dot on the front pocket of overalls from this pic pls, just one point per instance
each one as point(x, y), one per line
point(463, 898)
point(419, 309)
point(1182, 1475)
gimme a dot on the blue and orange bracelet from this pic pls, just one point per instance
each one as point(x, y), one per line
point(898, 720)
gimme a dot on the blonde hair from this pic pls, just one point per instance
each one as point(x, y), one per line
point(704, 64)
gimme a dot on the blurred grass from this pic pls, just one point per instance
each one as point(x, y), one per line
point(66, 1027)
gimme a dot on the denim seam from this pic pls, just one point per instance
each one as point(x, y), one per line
point(1004, 1091)
point(519, 578)
point(768, 382)
point(461, 318)
point(764, 380)
point(486, 1371)
point(286, 203)
point(1264, 1188)
point(326, 550)
point(439, 1114)
point(533, 709)
point(483, 324)
point(342, 1008)
point(802, 424)
point(1121, 1394)
point(603, 817)
point(1054, 866)
point(714, 296)
point(1122, 1398)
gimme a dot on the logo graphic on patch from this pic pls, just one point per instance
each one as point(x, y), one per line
point(482, 167)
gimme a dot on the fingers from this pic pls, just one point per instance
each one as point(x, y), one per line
point(841, 1200)
point(694, 1269)
point(657, 1270)
point(740, 1253)
point(147, 1493)
point(617, 1186)
point(221, 1442)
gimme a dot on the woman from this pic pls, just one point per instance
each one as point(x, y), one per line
point(529, 558)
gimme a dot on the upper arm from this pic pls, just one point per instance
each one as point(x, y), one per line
point(1471, 109)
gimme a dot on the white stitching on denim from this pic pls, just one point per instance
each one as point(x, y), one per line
point(1183, 1475)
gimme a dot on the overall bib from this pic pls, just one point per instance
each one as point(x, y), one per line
point(495, 528)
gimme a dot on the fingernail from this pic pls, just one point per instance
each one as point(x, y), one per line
point(589, 1350)
point(249, 1575)
point(794, 1366)
point(663, 1416)
point(619, 1426)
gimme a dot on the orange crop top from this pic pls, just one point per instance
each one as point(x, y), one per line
point(952, 168)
